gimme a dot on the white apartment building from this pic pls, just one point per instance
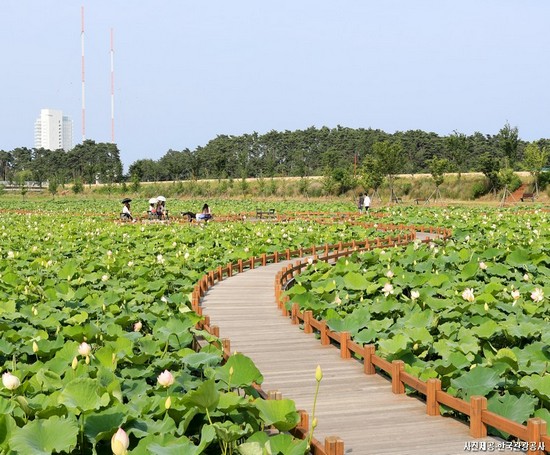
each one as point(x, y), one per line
point(53, 130)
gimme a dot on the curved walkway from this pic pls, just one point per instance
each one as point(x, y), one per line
point(359, 409)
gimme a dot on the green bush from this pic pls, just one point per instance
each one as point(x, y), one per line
point(479, 189)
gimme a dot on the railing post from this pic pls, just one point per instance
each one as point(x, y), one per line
point(215, 330)
point(240, 265)
point(264, 260)
point(230, 270)
point(344, 341)
point(252, 260)
point(334, 445)
point(276, 257)
point(226, 347)
point(307, 325)
point(536, 428)
point(397, 386)
point(368, 366)
point(295, 310)
point(325, 340)
point(432, 405)
point(288, 254)
point(477, 428)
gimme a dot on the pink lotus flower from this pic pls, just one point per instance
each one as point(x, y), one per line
point(387, 289)
point(537, 295)
point(165, 379)
point(120, 442)
point(84, 349)
point(468, 295)
point(10, 381)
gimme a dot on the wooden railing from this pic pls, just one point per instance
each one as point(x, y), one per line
point(535, 440)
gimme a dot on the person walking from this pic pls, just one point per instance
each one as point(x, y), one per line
point(360, 203)
point(366, 203)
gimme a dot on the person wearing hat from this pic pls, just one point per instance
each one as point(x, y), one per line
point(161, 207)
point(152, 211)
point(126, 214)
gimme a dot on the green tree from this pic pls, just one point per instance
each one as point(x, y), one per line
point(372, 173)
point(438, 167)
point(392, 160)
point(534, 159)
point(457, 148)
point(508, 141)
point(52, 186)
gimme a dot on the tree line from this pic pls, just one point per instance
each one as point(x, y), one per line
point(340, 153)
point(89, 162)
point(340, 150)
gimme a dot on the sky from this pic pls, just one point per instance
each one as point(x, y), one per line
point(187, 71)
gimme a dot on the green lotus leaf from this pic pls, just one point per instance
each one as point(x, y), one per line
point(101, 425)
point(512, 407)
point(251, 448)
point(540, 385)
point(201, 359)
point(518, 258)
point(469, 270)
point(478, 381)
point(205, 397)
point(142, 427)
point(165, 444)
point(84, 394)
point(7, 427)
point(280, 413)
point(355, 281)
point(239, 371)
point(228, 431)
point(43, 437)
point(286, 444)
point(394, 345)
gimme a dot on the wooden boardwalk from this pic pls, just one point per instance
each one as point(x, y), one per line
point(358, 408)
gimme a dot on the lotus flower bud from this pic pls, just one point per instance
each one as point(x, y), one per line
point(120, 442)
point(231, 371)
point(314, 423)
point(168, 403)
point(165, 379)
point(10, 381)
point(75, 363)
point(318, 373)
point(84, 349)
point(34, 347)
point(87, 360)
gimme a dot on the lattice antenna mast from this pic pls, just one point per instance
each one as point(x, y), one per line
point(83, 79)
point(112, 88)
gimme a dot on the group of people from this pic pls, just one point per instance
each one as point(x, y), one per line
point(157, 210)
point(363, 203)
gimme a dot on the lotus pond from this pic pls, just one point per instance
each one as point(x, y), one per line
point(96, 332)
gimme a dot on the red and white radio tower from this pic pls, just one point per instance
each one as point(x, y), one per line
point(112, 89)
point(83, 83)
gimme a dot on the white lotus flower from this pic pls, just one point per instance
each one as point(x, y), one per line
point(537, 295)
point(165, 379)
point(10, 381)
point(468, 295)
point(105, 278)
point(415, 295)
point(84, 349)
point(387, 289)
point(515, 294)
point(120, 442)
point(526, 277)
point(483, 266)
point(186, 255)
point(138, 326)
point(130, 263)
point(389, 274)
point(11, 254)
point(160, 259)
